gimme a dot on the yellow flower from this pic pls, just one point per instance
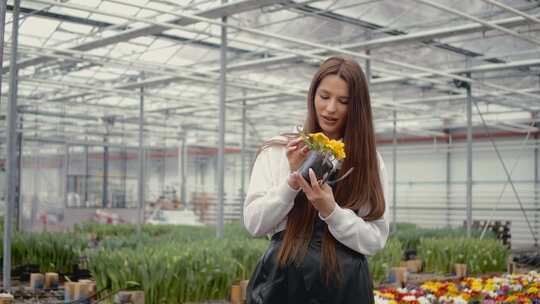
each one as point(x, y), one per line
point(511, 298)
point(319, 141)
point(320, 138)
point(337, 147)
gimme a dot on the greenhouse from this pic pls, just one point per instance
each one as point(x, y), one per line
point(270, 151)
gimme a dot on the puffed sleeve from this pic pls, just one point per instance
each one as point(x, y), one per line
point(366, 237)
point(269, 197)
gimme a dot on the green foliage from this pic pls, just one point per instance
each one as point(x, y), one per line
point(178, 268)
point(103, 231)
point(51, 251)
point(176, 264)
point(384, 260)
point(410, 236)
point(481, 256)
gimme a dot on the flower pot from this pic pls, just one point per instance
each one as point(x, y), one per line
point(236, 294)
point(243, 287)
point(69, 291)
point(319, 162)
point(129, 297)
point(6, 298)
point(461, 270)
point(51, 280)
point(37, 281)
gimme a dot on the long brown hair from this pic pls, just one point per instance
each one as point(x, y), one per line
point(362, 188)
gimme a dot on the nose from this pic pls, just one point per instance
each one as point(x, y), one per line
point(331, 107)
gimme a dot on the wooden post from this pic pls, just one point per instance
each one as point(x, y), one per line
point(461, 270)
point(414, 266)
point(37, 280)
point(510, 265)
point(51, 280)
point(243, 287)
point(236, 294)
point(69, 291)
point(129, 297)
point(6, 298)
point(84, 290)
point(399, 275)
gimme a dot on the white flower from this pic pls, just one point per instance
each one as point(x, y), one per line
point(423, 300)
point(409, 298)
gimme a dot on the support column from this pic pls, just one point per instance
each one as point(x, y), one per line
point(368, 68)
point(536, 202)
point(18, 202)
point(141, 179)
point(2, 30)
point(394, 173)
point(221, 129)
point(85, 177)
point(243, 161)
point(66, 174)
point(368, 61)
point(182, 159)
point(448, 178)
point(162, 169)
point(36, 189)
point(469, 157)
point(105, 187)
point(124, 175)
point(11, 157)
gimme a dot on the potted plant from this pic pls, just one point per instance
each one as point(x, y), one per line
point(325, 156)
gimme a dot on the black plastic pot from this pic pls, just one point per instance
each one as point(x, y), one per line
point(317, 161)
point(22, 272)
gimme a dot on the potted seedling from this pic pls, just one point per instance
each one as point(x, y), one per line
point(324, 158)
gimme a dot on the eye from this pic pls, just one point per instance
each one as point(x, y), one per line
point(344, 101)
point(323, 96)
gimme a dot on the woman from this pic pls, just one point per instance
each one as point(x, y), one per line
point(320, 234)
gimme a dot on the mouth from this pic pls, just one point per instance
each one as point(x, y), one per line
point(329, 120)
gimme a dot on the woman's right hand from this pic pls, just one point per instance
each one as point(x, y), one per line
point(296, 154)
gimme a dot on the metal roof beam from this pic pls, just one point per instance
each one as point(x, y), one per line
point(103, 24)
point(478, 20)
point(153, 29)
point(513, 10)
point(387, 42)
point(473, 69)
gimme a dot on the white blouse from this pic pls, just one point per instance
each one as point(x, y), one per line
point(270, 198)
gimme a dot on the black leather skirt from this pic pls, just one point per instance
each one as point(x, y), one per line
point(304, 283)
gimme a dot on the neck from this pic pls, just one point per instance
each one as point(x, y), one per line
point(335, 136)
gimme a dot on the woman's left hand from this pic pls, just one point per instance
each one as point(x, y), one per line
point(320, 196)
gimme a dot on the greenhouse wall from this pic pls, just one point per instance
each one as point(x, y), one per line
point(425, 195)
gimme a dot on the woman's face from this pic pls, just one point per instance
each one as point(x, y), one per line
point(331, 103)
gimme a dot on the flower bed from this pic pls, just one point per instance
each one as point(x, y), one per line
point(516, 288)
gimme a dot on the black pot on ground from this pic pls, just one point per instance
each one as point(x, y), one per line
point(22, 272)
point(317, 161)
point(410, 254)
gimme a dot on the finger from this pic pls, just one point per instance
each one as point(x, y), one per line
point(313, 180)
point(304, 185)
point(292, 148)
point(294, 180)
point(326, 188)
point(295, 141)
point(323, 179)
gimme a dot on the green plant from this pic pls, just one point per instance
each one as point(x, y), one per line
point(381, 263)
point(51, 251)
point(481, 256)
point(176, 272)
point(410, 238)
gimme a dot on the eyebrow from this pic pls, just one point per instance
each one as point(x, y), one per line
point(325, 91)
